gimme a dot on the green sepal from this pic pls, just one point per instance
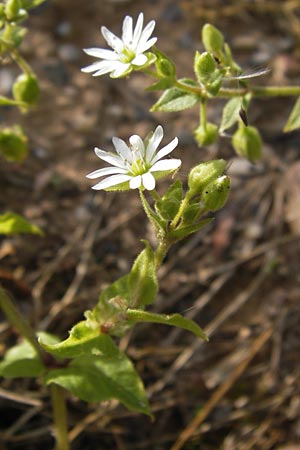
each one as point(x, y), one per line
point(204, 66)
point(215, 194)
point(230, 113)
point(13, 144)
point(12, 223)
point(142, 281)
point(169, 204)
point(97, 377)
point(175, 320)
point(184, 231)
point(212, 39)
point(22, 360)
point(83, 339)
point(247, 142)
point(293, 122)
point(191, 213)
point(204, 173)
point(175, 99)
point(164, 65)
point(206, 135)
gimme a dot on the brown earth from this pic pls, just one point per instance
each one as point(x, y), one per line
point(238, 278)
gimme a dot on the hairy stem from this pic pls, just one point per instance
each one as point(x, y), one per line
point(18, 321)
point(60, 417)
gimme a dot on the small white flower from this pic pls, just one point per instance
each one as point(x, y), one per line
point(137, 165)
point(127, 52)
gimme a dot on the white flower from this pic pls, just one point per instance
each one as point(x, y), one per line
point(137, 165)
point(127, 52)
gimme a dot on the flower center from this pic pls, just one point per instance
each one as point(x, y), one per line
point(127, 55)
point(138, 167)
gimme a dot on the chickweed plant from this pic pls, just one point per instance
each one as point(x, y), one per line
point(89, 363)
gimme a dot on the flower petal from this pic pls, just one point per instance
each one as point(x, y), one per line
point(101, 53)
point(137, 147)
point(139, 60)
point(122, 149)
point(105, 171)
point(146, 33)
point(96, 66)
point(114, 160)
point(142, 47)
point(112, 40)
point(121, 69)
point(135, 182)
point(165, 165)
point(148, 181)
point(127, 30)
point(137, 31)
point(114, 180)
point(154, 142)
point(165, 150)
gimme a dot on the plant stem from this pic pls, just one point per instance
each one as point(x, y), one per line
point(60, 417)
point(203, 115)
point(18, 321)
point(183, 205)
point(261, 91)
point(161, 252)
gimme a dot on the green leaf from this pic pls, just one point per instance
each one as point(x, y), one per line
point(142, 282)
point(230, 113)
point(82, 340)
point(96, 378)
point(168, 206)
point(11, 223)
point(185, 231)
point(293, 122)
point(175, 99)
point(22, 361)
point(175, 320)
point(161, 85)
point(28, 4)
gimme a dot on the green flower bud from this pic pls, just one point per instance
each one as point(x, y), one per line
point(216, 193)
point(12, 8)
point(204, 66)
point(207, 135)
point(13, 144)
point(165, 67)
point(204, 174)
point(212, 39)
point(26, 89)
point(247, 143)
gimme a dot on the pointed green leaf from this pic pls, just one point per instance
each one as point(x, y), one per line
point(143, 285)
point(183, 232)
point(293, 122)
point(175, 99)
point(82, 340)
point(11, 223)
point(95, 378)
point(230, 113)
point(175, 320)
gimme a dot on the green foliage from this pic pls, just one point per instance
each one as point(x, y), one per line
point(184, 231)
point(142, 281)
point(230, 114)
point(247, 142)
point(169, 204)
point(293, 122)
point(96, 377)
point(204, 66)
point(13, 144)
point(175, 320)
point(175, 99)
point(12, 223)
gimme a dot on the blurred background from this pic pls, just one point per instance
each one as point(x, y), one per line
point(238, 278)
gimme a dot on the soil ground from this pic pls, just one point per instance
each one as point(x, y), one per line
point(238, 278)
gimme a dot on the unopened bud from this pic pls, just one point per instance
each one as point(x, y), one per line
point(12, 8)
point(216, 193)
point(247, 143)
point(212, 39)
point(204, 66)
point(204, 174)
point(165, 67)
point(26, 89)
point(13, 144)
point(207, 135)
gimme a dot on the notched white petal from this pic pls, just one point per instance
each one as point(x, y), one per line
point(166, 150)
point(114, 180)
point(105, 171)
point(135, 182)
point(148, 181)
point(165, 165)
